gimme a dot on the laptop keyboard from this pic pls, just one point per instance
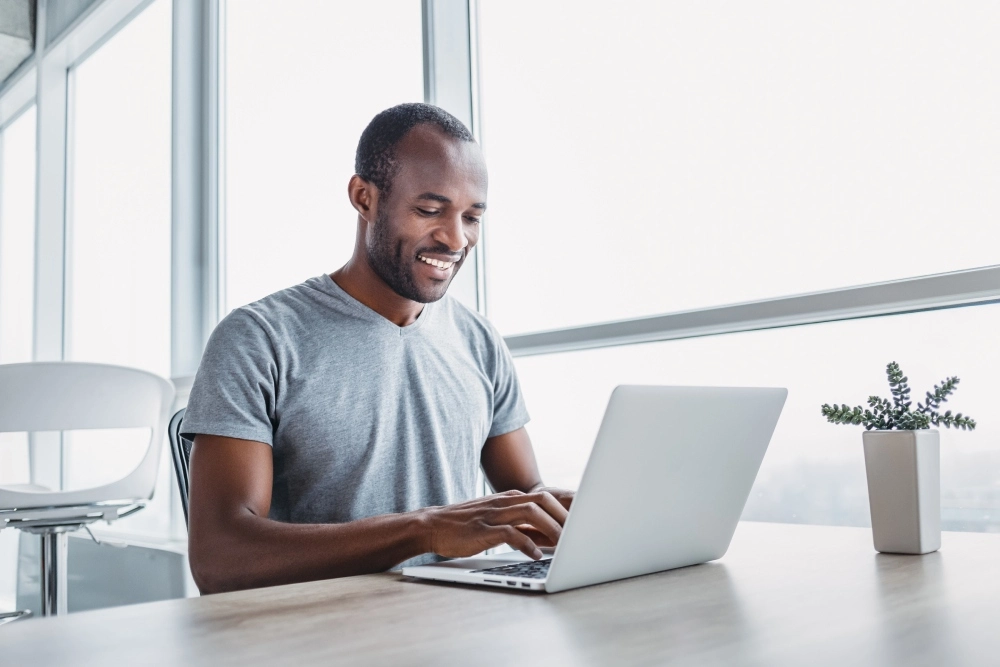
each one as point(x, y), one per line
point(532, 569)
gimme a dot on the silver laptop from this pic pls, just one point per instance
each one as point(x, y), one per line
point(664, 487)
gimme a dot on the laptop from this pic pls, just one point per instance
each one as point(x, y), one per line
point(666, 482)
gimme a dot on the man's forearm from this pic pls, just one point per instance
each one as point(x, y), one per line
point(250, 551)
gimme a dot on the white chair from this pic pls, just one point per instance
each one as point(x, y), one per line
point(63, 396)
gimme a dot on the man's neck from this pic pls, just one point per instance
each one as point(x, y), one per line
point(359, 280)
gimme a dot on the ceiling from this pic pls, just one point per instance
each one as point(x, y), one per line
point(17, 34)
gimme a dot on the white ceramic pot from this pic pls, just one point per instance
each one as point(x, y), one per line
point(904, 490)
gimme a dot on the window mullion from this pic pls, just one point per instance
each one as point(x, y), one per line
point(195, 177)
point(448, 83)
point(45, 451)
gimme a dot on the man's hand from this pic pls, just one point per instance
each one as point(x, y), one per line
point(564, 496)
point(525, 521)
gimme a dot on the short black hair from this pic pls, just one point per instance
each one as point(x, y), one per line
point(375, 160)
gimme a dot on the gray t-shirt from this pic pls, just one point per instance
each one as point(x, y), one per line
point(364, 417)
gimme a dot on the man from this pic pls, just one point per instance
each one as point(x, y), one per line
point(339, 424)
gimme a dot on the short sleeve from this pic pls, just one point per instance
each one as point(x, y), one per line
point(234, 391)
point(509, 411)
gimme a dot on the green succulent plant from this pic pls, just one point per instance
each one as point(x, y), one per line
point(884, 415)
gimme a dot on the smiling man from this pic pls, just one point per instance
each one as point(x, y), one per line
point(339, 424)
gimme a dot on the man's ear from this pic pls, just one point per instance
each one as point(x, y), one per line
point(363, 196)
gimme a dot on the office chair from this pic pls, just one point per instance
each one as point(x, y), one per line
point(180, 449)
point(66, 396)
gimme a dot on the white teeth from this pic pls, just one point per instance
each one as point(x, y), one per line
point(434, 262)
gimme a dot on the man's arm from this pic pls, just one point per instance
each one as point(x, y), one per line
point(508, 461)
point(234, 545)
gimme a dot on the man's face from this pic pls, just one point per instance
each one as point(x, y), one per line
point(429, 223)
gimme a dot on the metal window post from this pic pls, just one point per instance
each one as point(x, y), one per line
point(449, 82)
point(194, 189)
point(195, 293)
point(51, 98)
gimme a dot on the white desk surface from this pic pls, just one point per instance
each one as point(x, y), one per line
point(783, 595)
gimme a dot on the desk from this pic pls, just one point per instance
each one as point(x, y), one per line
point(783, 595)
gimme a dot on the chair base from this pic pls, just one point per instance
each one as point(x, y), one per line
point(52, 524)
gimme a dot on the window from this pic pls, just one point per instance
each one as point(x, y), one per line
point(118, 273)
point(118, 284)
point(17, 238)
point(655, 157)
point(17, 262)
point(645, 158)
point(813, 471)
point(292, 122)
point(17, 268)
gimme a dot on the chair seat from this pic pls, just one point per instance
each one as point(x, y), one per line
point(73, 515)
point(27, 488)
point(14, 615)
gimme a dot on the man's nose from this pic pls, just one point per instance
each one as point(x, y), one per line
point(452, 233)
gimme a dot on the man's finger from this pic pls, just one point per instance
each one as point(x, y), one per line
point(538, 537)
point(565, 498)
point(531, 514)
point(543, 499)
point(518, 540)
point(506, 498)
point(550, 504)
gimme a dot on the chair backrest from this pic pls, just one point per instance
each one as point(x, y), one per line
point(180, 449)
point(66, 395)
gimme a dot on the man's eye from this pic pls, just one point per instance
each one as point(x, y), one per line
point(474, 220)
point(424, 211)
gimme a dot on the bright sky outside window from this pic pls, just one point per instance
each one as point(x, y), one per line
point(650, 157)
point(293, 119)
point(813, 471)
point(118, 287)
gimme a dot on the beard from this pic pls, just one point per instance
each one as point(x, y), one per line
point(385, 256)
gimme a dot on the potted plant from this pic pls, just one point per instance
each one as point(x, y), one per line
point(903, 462)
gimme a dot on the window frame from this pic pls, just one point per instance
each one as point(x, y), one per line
point(910, 295)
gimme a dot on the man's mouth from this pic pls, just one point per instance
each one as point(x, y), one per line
point(436, 262)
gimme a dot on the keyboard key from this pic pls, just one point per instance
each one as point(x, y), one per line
point(526, 570)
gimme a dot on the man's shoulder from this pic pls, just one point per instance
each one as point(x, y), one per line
point(292, 298)
point(459, 312)
point(276, 310)
point(471, 323)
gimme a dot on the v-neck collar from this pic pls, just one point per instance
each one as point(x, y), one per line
point(329, 286)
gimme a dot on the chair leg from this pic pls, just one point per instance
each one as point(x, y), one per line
point(53, 580)
point(11, 616)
